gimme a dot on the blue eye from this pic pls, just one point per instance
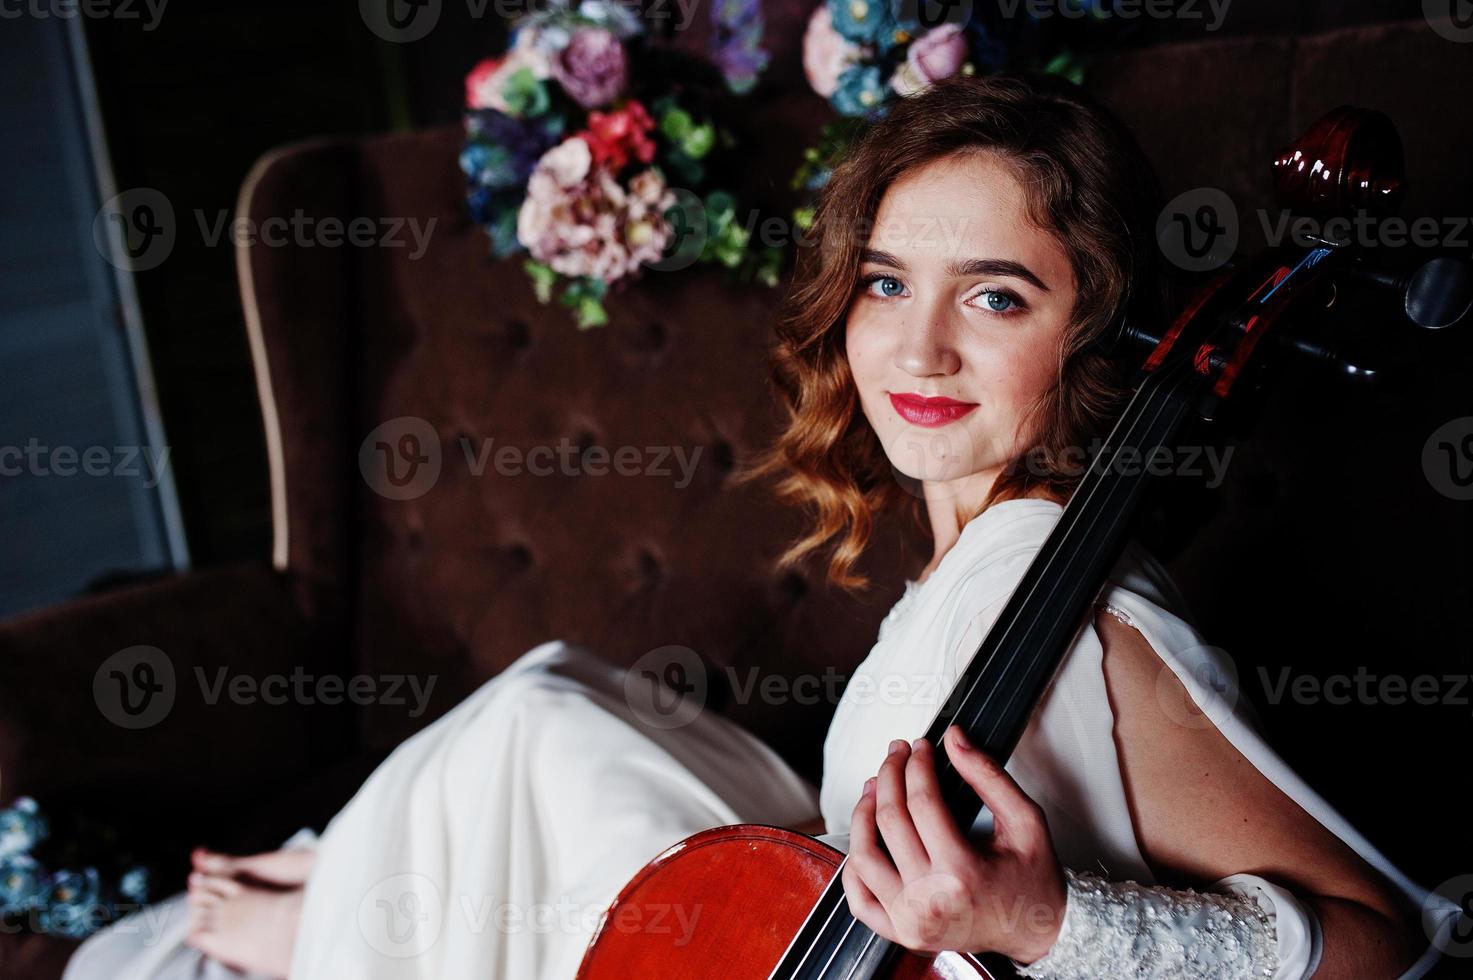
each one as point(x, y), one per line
point(890, 287)
point(1000, 301)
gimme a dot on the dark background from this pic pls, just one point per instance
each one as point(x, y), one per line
point(192, 104)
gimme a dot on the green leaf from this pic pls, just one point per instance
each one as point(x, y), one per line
point(676, 124)
point(698, 142)
point(803, 218)
point(543, 278)
point(590, 313)
point(525, 94)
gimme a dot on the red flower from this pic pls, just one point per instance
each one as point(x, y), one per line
point(614, 137)
point(483, 85)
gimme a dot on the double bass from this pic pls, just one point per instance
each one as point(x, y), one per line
point(771, 900)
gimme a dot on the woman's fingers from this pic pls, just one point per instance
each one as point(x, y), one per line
point(866, 858)
point(863, 903)
point(892, 814)
point(940, 837)
point(1016, 815)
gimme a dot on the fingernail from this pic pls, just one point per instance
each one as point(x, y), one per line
point(918, 744)
point(960, 738)
point(869, 787)
point(897, 745)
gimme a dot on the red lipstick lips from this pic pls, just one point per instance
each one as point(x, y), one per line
point(929, 412)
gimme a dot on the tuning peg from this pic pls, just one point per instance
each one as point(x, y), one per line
point(1132, 337)
point(1435, 295)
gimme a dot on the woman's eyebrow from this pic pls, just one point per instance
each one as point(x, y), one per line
point(959, 268)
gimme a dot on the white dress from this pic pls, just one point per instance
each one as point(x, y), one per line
point(487, 845)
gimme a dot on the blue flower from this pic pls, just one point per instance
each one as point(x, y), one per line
point(20, 883)
point(134, 885)
point(70, 904)
point(614, 16)
point(492, 165)
point(500, 151)
point(870, 22)
point(21, 827)
point(861, 91)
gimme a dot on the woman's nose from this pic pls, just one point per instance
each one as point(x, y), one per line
point(926, 349)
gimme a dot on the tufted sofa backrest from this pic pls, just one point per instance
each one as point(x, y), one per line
point(437, 356)
point(552, 482)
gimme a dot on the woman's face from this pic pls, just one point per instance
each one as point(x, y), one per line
point(961, 302)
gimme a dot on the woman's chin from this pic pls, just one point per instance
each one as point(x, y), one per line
point(937, 482)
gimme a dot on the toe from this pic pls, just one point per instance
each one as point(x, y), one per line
point(211, 863)
point(223, 887)
point(206, 892)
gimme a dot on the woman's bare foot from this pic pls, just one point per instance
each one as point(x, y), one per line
point(289, 867)
point(245, 926)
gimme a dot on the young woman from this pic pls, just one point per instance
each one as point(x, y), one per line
point(968, 255)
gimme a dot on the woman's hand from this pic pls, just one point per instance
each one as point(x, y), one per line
point(936, 890)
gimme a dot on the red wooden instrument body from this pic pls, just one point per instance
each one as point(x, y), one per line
point(725, 903)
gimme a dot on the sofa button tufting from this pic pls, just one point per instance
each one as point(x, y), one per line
point(649, 566)
point(643, 345)
point(584, 440)
point(723, 457)
point(792, 586)
point(520, 557)
point(652, 337)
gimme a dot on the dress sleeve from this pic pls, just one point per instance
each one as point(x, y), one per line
point(1242, 927)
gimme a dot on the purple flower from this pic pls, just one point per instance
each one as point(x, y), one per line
point(937, 54)
point(592, 69)
point(501, 151)
point(736, 42)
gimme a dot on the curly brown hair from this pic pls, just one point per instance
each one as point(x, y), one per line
point(1086, 181)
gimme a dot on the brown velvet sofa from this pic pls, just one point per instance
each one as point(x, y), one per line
point(455, 582)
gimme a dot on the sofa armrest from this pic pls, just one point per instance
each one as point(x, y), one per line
point(161, 694)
